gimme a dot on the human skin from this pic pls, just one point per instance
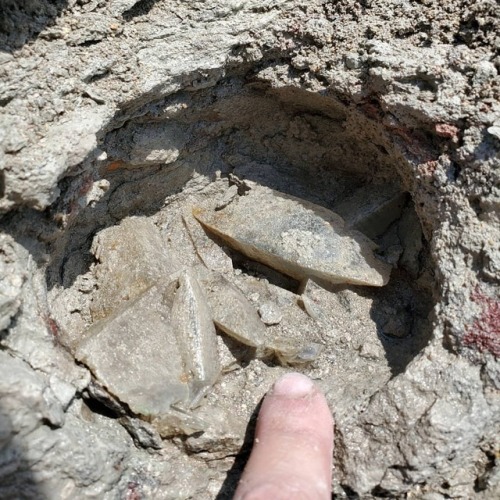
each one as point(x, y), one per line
point(292, 453)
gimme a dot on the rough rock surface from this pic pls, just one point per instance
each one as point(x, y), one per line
point(123, 107)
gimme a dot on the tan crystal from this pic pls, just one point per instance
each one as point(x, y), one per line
point(296, 237)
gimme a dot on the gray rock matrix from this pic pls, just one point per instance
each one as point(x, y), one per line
point(119, 108)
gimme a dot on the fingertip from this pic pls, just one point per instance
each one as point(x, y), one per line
point(293, 445)
point(296, 405)
point(292, 385)
point(283, 489)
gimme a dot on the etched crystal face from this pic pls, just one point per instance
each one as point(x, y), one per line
point(296, 237)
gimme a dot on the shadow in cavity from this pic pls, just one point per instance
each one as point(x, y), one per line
point(233, 475)
point(259, 270)
point(141, 8)
point(17, 480)
point(401, 312)
point(241, 353)
point(22, 20)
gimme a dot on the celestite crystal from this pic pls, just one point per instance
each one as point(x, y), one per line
point(295, 237)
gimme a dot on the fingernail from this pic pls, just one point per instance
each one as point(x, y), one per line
point(293, 385)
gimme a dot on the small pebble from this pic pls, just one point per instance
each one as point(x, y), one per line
point(353, 61)
point(370, 350)
point(270, 313)
point(494, 130)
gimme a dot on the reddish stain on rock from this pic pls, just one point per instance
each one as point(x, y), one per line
point(448, 131)
point(133, 491)
point(115, 165)
point(428, 168)
point(51, 324)
point(484, 333)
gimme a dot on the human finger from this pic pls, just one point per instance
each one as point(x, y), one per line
point(292, 453)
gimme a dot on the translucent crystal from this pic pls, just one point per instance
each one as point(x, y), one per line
point(296, 237)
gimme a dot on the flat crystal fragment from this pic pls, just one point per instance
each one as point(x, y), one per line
point(372, 209)
point(131, 258)
point(211, 254)
point(134, 355)
point(295, 237)
point(310, 307)
point(232, 312)
point(178, 422)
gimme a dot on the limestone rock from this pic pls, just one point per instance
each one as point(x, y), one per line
point(12, 277)
point(260, 89)
point(27, 397)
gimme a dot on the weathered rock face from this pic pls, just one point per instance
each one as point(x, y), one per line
point(384, 112)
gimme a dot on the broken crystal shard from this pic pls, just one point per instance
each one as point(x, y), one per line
point(290, 354)
point(231, 311)
point(196, 336)
point(296, 237)
point(131, 258)
point(134, 354)
point(211, 254)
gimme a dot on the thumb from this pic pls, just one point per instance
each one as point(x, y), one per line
point(292, 453)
